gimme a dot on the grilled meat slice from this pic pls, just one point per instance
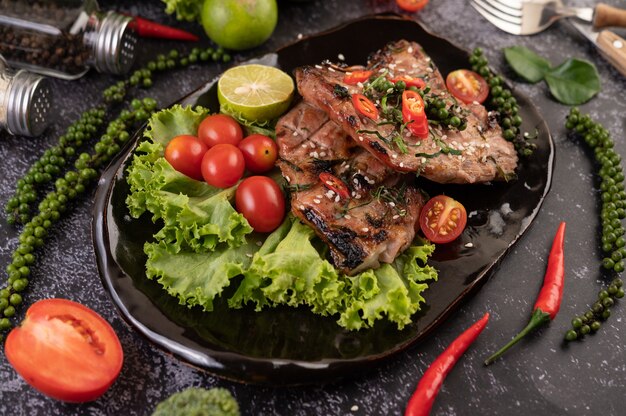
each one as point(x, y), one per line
point(372, 221)
point(477, 154)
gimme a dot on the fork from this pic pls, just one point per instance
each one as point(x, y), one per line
point(527, 17)
point(520, 17)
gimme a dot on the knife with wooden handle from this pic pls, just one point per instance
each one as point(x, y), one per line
point(612, 46)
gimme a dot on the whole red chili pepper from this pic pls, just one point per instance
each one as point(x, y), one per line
point(549, 299)
point(149, 29)
point(423, 398)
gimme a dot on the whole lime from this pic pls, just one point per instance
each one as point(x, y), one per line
point(239, 24)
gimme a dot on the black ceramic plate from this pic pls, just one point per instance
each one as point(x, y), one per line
point(293, 346)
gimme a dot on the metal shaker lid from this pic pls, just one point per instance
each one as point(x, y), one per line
point(114, 45)
point(29, 104)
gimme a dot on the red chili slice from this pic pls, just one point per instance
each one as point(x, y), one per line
point(355, 77)
point(365, 106)
point(410, 81)
point(334, 184)
point(414, 114)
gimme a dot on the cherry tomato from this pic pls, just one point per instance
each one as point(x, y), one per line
point(410, 81)
point(223, 165)
point(412, 5)
point(442, 219)
point(185, 154)
point(355, 77)
point(261, 202)
point(220, 129)
point(413, 113)
point(65, 350)
point(260, 152)
point(335, 184)
point(467, 86)
point(365, 106)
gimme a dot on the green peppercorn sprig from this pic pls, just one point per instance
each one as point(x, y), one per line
point(71, 183)
point(612, 212)
point(55, 203)
point(503, 101)
point(438, 113)
point(591, 321)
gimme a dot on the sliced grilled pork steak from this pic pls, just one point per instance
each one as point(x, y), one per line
point(478, 153)
point(345, 194)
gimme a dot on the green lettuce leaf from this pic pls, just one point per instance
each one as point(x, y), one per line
point(196, 216)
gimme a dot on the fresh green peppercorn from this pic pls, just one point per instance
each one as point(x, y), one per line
point(585, 329)
point(571, 335)
point(595, 326)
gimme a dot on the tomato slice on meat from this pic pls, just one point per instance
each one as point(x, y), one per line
point(413, 113)
point(410, 81)
point(334, 184)
point(365, 106)
point(442, 219)
point(65, 350)
point(412, 5)
point(355, 77)
point(467, 86)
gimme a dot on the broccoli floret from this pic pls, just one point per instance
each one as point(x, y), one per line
point(199, 402)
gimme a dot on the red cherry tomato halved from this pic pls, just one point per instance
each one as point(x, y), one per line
point(185, 154)
point(223, 165)
point(260, 152)
point(365, 106)
point(410, 81)
point(355, 77)
point(442, 219)
point(412, 5)
point(65, 350)
point(334, 184)
point(467, 86)
point(220, 129)
point(260, 200)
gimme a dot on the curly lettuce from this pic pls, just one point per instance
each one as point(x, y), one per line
point(188, 10)
point(196, 216)
point(204, 245)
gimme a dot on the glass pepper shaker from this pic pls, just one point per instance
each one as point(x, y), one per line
point(64, 38)
point(25, 102)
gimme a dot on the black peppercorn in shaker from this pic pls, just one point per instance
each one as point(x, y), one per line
point(64, 38)
point(25, 102)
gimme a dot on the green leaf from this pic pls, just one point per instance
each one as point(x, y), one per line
point(526, 63)
point(574, 82)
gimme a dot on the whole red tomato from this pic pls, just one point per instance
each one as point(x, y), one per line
point(65, 350)
point(185, 154)
point(260, 152)
point(261, 202)
point(220, 129)
point(223, 165)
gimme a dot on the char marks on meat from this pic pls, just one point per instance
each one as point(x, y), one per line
point(376, 222)
point(477, 154)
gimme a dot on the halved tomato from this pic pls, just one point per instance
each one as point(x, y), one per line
point(442, 219)
point(412, 5)
point(65, 350)
point(467, 86)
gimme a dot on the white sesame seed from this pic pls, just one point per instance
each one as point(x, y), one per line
point(331, 69)
point(359, 84)
point(401, 164)
point(423, 160)
point(312, 145)
point(259, 243)
point(360, 138)
point(410, 49)
point(354, 408)
point(392, 204)
point(414, 66)
point(395, 217)
point(318, 196)
point(322, 154)
point(295, 133)
point(469, 245)
point(318, 66)
point(249, 255)
point(365, 229)
point(341, 57)
point(287, 178)
point(300, 35)
point(337, 198)
point(429, 70)
point(394, 155)
point(317, 201)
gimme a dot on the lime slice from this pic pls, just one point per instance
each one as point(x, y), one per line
point(255, 92)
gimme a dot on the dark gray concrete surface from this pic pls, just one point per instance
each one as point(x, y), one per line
point(540, 377)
